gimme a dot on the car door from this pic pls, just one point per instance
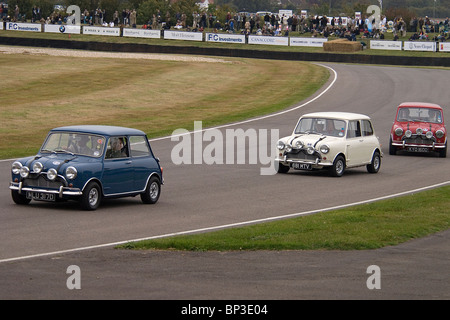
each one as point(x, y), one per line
point(118, 172)
point(143, 161)
point(370, 142)
point(355, 144)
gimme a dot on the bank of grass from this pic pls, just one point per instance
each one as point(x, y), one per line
point(40, 92)
point(369, 226)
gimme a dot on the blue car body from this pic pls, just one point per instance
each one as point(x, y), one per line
point(114, 162)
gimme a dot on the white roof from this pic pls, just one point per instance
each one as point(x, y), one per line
point(336, 115)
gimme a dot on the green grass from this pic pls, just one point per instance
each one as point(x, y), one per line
point(369, 226)
point(42, 92)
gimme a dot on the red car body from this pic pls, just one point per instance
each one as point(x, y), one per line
point(419, 127)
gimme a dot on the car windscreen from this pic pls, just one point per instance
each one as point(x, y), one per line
point(74, 143)
point(328, 127)
point(419, 115)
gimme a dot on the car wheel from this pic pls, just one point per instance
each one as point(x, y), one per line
point(152, 192)
point(443, 152)
point(392, 149)
point(282, 168)
point(338, 167)
point(374, 166)
point(19, 198)
point(91, 197)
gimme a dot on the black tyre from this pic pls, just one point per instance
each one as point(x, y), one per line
point(443, 152)
point(152, 192)
point(92, 196)
point(374, 166)
point(338, 167)
point(19, 198)
point(282, 168)
point(392, 149)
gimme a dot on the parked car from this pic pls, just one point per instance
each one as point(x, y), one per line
point(419, 127)
point(332, 140)
point(88, 163)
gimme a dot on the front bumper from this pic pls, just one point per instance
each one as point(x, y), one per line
point(318, 163)
point(61, 192)
point(404, 144)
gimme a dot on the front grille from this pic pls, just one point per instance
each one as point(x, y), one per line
point(42, 182)
point(302, 155)
point(419, 140)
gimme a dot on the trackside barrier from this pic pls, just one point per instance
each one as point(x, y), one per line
point(431, 46)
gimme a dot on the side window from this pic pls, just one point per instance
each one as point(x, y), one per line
point(354, 129)
point(139, 146)
point(117, 148)
point(367, 129)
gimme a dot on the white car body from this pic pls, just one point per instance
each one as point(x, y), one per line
point(334, 140)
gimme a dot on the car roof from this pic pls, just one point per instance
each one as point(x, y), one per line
point(101, 130)
point(336, 115)
point(420, 104)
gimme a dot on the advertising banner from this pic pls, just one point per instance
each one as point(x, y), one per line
point(385, 45)
point(226, 38)
point(269, 40)
point(56, 28)
point(444, 46)
point(103, 31)
point(183, 35)
point(18, 26)
point(307, 42)
point(419, 46)
point(142, 33)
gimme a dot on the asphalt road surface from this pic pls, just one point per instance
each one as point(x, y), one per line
point(40, 241)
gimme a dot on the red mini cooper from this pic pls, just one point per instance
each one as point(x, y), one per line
point(419, 127)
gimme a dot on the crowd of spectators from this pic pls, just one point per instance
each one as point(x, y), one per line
point(269, 24)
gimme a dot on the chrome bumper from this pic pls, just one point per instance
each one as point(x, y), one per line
point(403, 144)
point(317, 162)
point(63, 191)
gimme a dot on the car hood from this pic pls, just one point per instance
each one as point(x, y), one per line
point(58, 161)
point(311, 140)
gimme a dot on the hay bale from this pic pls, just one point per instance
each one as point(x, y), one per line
point(342, 45)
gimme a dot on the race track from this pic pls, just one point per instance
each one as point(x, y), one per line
point(201, 196)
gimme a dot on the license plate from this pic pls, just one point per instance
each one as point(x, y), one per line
point(417, 149)
point(301, 166)
point(40, 196)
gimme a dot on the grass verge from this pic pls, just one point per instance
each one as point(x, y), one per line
point(369, 226)
point(41, 92)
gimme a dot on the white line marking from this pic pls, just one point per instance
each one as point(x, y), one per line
point(237, 224)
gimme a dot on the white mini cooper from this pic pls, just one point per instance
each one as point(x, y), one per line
point(332, 140)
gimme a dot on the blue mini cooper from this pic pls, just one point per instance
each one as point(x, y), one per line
point(88, 163)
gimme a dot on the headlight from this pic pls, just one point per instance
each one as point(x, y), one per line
point(324, 149)
point(16, 166)
point(24, 172)
point(299, 144)
point(288, 148)
point(71, 173)
point(37, 167)
point(439, 134)
point(429, 134)
point(280, 145)
point(419, 131)
point(52, 174)
point(408, 133)
point(399, 132)
point(310, 150)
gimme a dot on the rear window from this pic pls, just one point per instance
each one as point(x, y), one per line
point(139, 146)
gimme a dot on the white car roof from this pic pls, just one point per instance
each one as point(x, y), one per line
point(336, 115)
